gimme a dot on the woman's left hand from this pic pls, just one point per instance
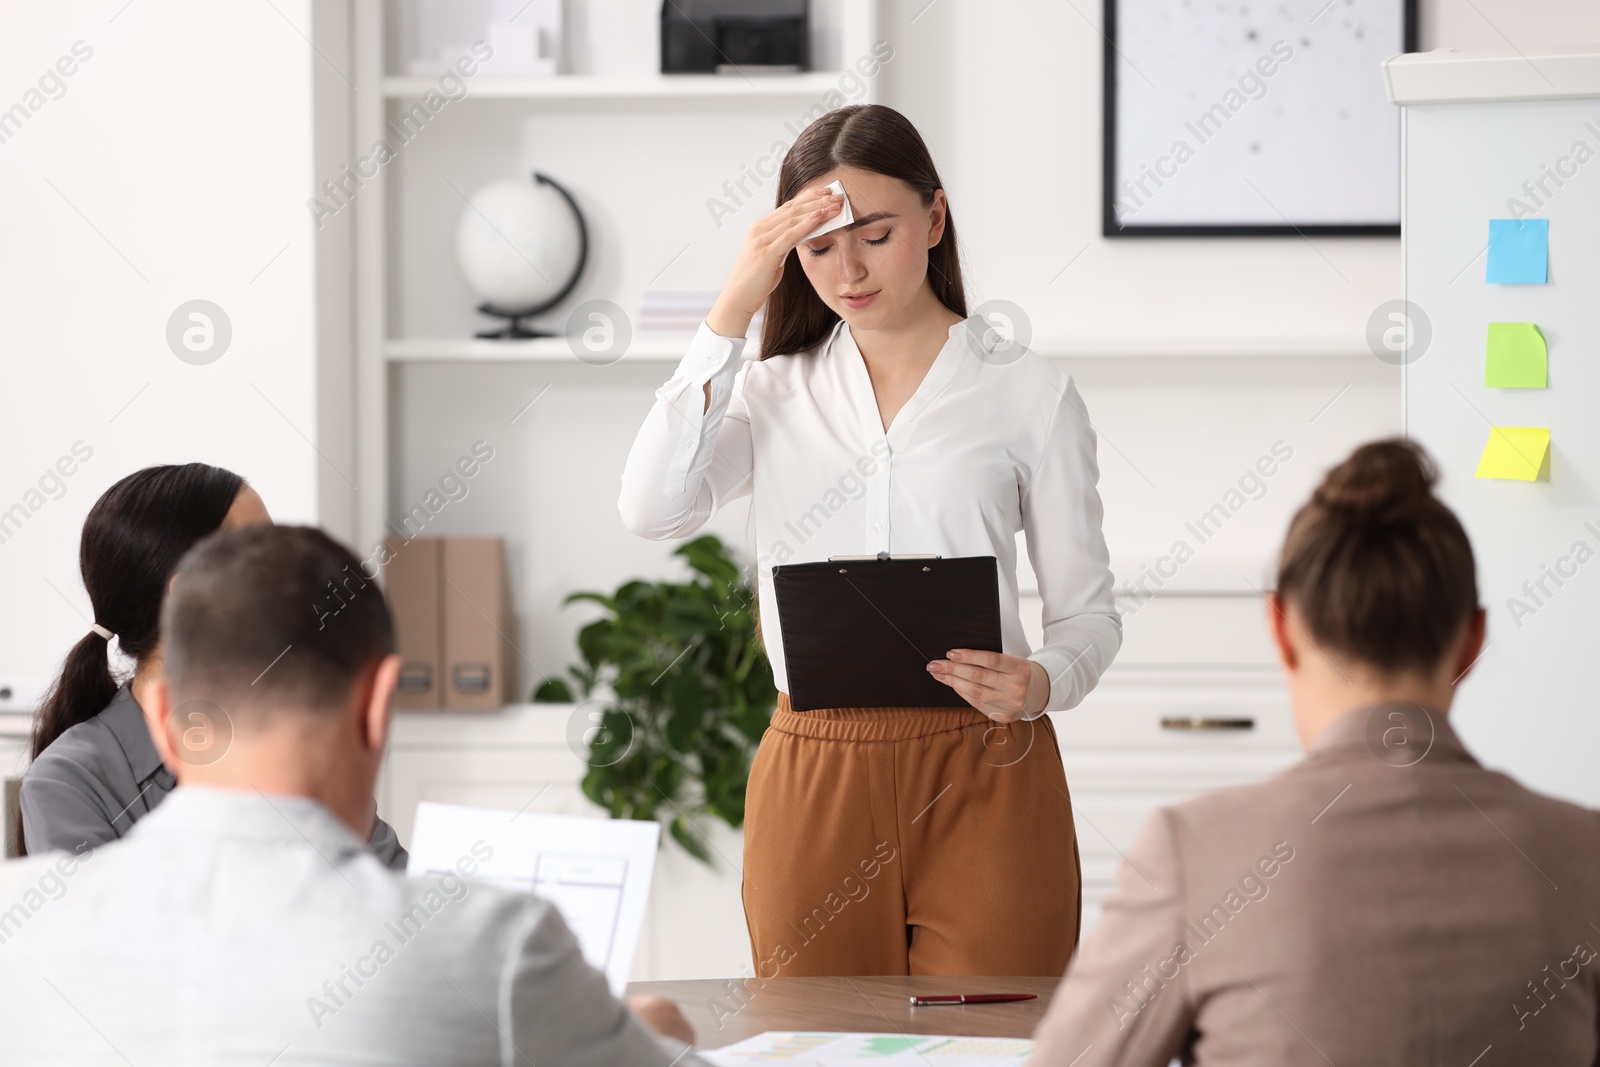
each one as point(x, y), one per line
point(1003, 687)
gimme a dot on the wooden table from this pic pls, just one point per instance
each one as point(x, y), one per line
point(723, 1011)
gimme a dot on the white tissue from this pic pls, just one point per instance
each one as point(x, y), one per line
point(844, 218)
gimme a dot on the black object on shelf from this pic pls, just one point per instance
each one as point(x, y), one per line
point(514, 330)
point(735, 36)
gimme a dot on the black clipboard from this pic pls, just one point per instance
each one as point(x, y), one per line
point(858, 632)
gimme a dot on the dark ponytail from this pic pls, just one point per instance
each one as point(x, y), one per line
point(1376, 564)
point(132, 541)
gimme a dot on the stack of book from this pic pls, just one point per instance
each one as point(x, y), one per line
point(673, 312)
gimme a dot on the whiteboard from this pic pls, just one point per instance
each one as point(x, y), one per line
point(1529, 707)
point(1257, 115)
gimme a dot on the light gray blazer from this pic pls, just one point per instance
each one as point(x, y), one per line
point(1371, 906)
point(102, 775)
point(235, 928)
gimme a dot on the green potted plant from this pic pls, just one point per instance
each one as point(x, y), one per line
point(685, 693)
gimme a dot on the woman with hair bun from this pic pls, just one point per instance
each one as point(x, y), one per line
point(1385, 901)
point(95, 771)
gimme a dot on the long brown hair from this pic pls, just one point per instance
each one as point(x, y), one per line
point(873, 138)
point(1376, 564)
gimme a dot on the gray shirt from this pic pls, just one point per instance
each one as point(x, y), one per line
point(101, 776)
point(238, 929)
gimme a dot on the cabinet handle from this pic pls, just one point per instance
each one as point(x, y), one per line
point(1181, 722)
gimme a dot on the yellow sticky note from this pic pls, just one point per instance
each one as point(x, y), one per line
point(1515, 452)
point(1517, 357)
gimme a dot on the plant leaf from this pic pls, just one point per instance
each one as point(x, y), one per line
point(690, 691)
point(684, 835)
point(553, 691)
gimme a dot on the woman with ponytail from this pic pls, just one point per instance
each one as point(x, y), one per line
point(94, 769)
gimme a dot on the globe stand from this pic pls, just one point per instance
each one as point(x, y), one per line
point(514, 330)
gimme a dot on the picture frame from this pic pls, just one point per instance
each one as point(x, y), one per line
point(1251, 120)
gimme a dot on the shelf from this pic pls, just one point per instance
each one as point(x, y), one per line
point(640, 87)
point(1135, 346)
point(554, 349)
point(543, 349)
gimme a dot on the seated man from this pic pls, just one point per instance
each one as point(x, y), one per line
point(244, 922)
point(1387, 901)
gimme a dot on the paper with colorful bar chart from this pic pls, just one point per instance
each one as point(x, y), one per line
point(806, 1049)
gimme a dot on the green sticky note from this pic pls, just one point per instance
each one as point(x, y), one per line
point(1517, 357)
point(1516, 453)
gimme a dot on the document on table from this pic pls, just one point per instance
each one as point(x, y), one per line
point(595, 871)
point(808, 1049)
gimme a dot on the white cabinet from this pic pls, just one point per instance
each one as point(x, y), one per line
point(15, 729)
point(517, 758)
point(1194, 702)
point(1151, 737)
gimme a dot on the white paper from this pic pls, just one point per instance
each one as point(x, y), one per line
point(811, 1049)
point(844, 218)
point(595, 871)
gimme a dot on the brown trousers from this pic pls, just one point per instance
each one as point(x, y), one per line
point(909, 841)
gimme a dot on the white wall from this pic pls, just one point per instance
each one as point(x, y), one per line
point(1008, 95)
point(173, 167)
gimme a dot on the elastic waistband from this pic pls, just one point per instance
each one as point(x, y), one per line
point(872, 724)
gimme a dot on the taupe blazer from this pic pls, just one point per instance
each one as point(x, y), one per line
point(1370, 906)
point(98, 778)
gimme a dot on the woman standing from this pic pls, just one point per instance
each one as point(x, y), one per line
point(95, 771)
point(881, 418)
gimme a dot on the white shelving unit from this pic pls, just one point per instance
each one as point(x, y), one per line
point(601, 87)
point(626, 145)
point(844, 30)
point(540, 349)
point(670, 349)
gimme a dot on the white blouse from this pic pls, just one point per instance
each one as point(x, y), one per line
point(991, 442)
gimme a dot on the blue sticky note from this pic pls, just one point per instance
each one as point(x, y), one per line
point(1519, 251)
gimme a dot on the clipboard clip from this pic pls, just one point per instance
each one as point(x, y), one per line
point(884, 556)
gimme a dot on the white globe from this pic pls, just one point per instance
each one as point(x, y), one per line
point(517, 243)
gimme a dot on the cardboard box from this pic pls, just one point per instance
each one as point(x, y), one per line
point(474, 609)
point(414, 577)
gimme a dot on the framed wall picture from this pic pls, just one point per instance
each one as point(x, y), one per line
point(1247, 118)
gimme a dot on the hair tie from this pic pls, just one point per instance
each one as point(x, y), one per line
point(101, 630)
